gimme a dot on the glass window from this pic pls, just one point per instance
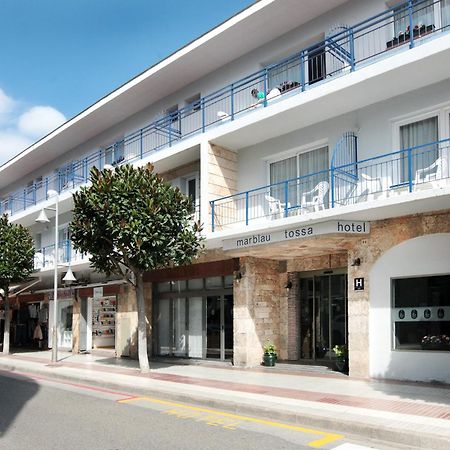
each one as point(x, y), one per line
point(423, 19)
point(423, 134)
point(195, 284)
point(214, 283)
point(229, 281)
point(164, 287)
point(445, 13)
point(421, 313)
point(305, 165)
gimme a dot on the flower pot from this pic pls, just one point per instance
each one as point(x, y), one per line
point(269, 360)
point(341, 364)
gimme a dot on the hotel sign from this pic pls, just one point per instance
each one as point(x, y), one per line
point(317, 229)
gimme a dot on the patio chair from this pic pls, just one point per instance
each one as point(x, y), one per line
point(276, 207)
point(316, 197)
point(369, 188)
point(433, 173)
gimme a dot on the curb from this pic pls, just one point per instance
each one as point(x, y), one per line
point(386, 434)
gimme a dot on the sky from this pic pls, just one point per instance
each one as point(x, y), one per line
point(60, 56)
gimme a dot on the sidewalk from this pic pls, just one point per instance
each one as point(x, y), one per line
point(413, 414)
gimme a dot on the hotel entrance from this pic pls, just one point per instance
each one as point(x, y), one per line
point(194, 318)
point(323, 315)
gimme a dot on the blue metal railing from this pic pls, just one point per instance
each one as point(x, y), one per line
point(402, 171)
point(336, 55)
point(45, 256)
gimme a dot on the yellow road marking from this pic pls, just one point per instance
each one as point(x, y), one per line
point(325, 439)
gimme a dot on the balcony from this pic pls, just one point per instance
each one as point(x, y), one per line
point(44, 257)
point(346, 51)
point(395, 174)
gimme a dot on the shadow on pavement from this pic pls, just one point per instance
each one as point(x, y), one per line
point(15, 391)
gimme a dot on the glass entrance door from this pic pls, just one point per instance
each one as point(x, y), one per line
point(219, 326)
point(323, 316)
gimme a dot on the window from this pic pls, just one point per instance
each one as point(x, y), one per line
point(445, 14)
point(193, 104)
point(305, 165)
point(173, 113)
point(115, 153)
point(416, 134)
point(316, 65)
point(421, 313)
point(423, 16)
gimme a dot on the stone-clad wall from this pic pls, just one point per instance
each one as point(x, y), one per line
point(259, 310)
point(384, 235)
point(222, 180)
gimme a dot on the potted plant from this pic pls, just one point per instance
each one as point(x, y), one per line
point(341, 361)
point(438, 342)
point(270, 354)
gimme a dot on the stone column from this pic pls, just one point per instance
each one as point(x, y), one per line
point(126, 322)
point(258, 296)
point(148, 299)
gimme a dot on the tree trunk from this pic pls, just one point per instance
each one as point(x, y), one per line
point(142, 326)
point(7, 324)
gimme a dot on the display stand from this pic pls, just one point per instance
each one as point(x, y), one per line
point(104, 321)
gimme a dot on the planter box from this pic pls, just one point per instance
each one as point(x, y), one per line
point(442, 347)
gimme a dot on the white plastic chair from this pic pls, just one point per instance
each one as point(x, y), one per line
point(317, 197)
point(276, 207)
point(434, 173)
point(369, 188)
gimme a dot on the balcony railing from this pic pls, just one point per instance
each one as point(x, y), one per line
point(44, 257)
point(340, 53)
point(391, 174)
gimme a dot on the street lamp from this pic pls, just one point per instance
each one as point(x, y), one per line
point(44, 219)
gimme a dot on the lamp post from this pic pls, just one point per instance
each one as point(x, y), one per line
point(44, 219)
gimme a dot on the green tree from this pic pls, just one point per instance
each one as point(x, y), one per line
point(16, 263)
point(131, 221)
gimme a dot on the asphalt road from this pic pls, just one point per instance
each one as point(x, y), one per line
point(38, 413)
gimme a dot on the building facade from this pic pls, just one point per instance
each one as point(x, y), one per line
point(316, 149)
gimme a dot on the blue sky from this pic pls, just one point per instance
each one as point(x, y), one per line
point(60, 56)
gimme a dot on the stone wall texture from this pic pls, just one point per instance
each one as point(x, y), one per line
point(259, 303)
point(384, 235)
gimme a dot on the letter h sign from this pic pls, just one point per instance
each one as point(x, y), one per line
point(358, 284)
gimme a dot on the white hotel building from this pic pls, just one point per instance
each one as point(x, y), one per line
point(314, 137)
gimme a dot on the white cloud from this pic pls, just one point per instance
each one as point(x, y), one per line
point(11, 144)
point(39, 121)
point(21, 125)
point(6, 103)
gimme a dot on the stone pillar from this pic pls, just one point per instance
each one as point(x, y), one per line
point(126, 322)
point(148, 298)
point(257, 302)
point(293, 318)
point(221, 181)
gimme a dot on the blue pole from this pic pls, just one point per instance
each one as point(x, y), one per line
point(212, 215)
point(202, 104)
point(332, 187)
point(265, 87)
point(302, 70)
point(286, 196)
point(141, 150)
point(246, 208)
point(410, 165)
point(351, 38)
point(232, 101)
point(24, 199)
point(411, 25)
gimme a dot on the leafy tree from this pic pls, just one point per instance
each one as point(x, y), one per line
point(16, 263)
point(131, 221)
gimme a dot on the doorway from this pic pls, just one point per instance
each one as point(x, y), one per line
point(219, 326)
point(323, 315)
point(194, 318)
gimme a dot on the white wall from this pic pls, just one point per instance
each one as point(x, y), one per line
point(426, 255)
point(374, 126)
